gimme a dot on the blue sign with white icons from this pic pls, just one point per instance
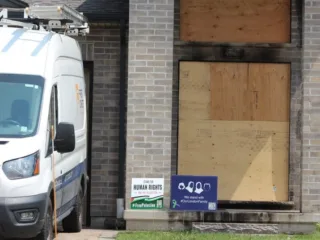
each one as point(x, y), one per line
point(194, 193)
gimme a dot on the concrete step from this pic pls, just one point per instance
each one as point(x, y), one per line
point(254, 228)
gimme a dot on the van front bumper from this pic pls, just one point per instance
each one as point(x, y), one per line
point(11, 211)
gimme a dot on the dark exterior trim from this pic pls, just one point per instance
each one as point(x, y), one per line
point(122, 111)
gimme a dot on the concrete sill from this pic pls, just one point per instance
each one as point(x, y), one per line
point(245, 216)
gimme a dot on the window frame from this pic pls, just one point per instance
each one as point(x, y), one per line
point(53, 104)
point(25, 79)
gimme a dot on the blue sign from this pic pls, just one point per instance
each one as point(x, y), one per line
point(194, 193)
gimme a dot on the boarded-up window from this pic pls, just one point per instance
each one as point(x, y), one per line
point(234, 124)
point(251, 21)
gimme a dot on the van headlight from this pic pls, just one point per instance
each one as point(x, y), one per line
point(24, 167)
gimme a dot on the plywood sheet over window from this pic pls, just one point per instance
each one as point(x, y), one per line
point(259, 21)
point(239, 130)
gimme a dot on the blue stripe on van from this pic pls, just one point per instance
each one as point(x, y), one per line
point(70, 176)
point(16, 35)
point(43, 42)
point(64, 208)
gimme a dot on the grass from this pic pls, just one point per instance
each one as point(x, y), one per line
point(201, 236)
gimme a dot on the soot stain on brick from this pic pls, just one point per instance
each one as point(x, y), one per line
point(249, 54)
point(229, 53)
point(299, 10)
point(299, 124)
point(203, 53)
point(232, 53)
point(264, 55)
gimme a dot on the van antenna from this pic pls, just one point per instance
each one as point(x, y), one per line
point(58, 18)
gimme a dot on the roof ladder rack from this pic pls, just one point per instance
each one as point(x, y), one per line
point(61, 19)
point(5, 22)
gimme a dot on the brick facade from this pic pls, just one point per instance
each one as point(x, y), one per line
point(311, 113)
point(149, 91)
point(103, 47)
point(153, 77)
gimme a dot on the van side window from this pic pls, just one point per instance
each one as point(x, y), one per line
point(53, 118)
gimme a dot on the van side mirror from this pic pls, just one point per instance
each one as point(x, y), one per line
point(65, 140)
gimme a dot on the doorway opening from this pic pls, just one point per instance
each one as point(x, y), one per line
point(88, 73)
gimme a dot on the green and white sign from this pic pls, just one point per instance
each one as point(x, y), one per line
point(147, 193)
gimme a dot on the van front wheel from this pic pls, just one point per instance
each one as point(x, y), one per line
point(47, 230)
point(73, 223)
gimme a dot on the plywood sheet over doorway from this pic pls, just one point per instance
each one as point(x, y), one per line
point(260, 21)
point(242, 135)
point(250, 92)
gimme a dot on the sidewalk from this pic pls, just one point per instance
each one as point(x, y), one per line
point(88, 234)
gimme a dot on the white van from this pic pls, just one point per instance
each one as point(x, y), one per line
point(41, 85)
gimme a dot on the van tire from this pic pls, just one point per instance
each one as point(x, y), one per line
point(73, 223)
point(47, 230)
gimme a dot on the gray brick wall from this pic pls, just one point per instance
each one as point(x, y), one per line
point(149, 90)
point(151, 145)
point(102, 47)
point(311, 113)
point(288, 53)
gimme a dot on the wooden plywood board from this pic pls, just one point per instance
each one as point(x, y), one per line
point(260, 21)
point(270, 85)
point(194, 91)
point(250, 91)
point(243, 136)
point(231, 98)
point(249, 158)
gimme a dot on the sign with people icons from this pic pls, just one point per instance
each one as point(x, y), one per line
point(194, 193)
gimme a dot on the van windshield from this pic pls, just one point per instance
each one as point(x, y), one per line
point(20, 102)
